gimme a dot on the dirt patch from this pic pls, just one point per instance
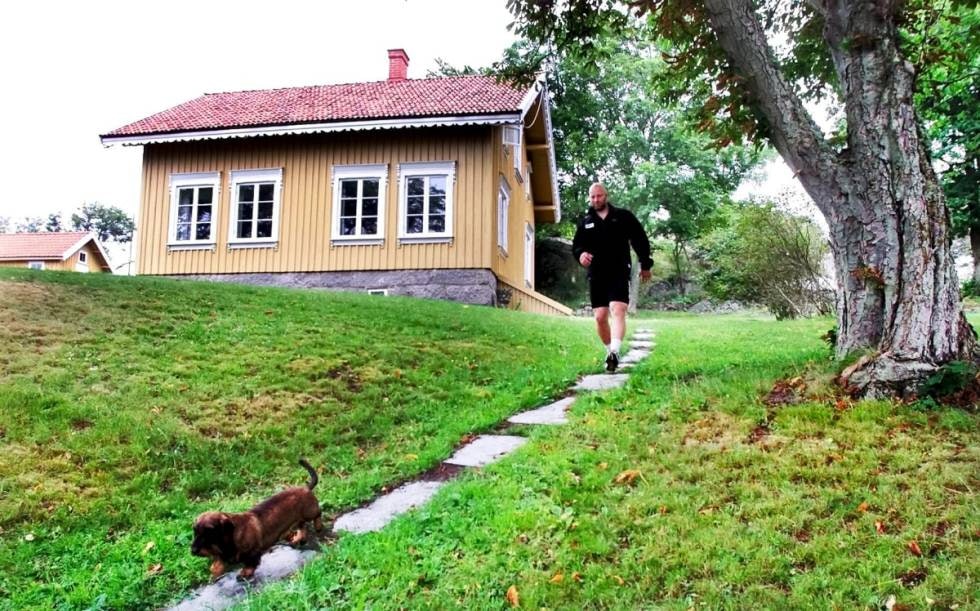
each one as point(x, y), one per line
point(715, 431)
point(913, 577)
point(786, 392)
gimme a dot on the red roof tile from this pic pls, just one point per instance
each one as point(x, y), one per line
point(38, 245)
point(433, 97)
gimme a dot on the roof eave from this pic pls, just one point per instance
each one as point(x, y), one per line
point(311, 128)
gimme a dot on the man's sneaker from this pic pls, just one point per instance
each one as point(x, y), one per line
point(612, 362)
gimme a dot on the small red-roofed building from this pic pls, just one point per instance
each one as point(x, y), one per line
point(77, 251)
point(423, 187)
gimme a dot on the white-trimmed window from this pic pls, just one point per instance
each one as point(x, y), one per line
point(83, 257)
point(514, 137)
point(503, 214)
point(193, 209)
point(255, 204)
point(35, 265)
point(528, 255)
point(359, 202)
point(425, 201)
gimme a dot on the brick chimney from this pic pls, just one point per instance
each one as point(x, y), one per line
point(397, 65)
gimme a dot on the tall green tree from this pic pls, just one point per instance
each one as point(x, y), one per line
point(107, 222)
point(898, 299)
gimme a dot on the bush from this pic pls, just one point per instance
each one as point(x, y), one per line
point(970, 288)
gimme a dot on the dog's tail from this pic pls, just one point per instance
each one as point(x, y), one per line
point(313, 478)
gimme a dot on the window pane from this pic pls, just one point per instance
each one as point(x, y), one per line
point(437, 205)
point(369, 226)
point(204, 195)
point(348, 207)
point(437, 185)
point(184, 231)
point(184, 214)
point(246, 193)
point(370, 188)
point(348, 188)
point(244, 229)
point(245, 212)
point(437, 223)
point(265, 210)
point(415, 224)
point(264, 229)
point(204, 213)
point(203, 231)
point(369, 207)
point(185, 197)
point(265, 192)
point(348, 226)
point(415, 205)
point(416, 186)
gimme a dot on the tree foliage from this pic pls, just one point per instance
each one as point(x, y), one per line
point(107, 222)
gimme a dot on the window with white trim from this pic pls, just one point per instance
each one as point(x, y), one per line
point(35, 265)
point(514, 137)
point(425, 201)
point(193, 208)
point(255, 204)
point(528, 255)
point(503, 214)
point(358, 202)
point(83, 257)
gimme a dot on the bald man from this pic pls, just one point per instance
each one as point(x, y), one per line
point(602, 245)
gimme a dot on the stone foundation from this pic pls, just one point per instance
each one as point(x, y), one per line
point(475, 286)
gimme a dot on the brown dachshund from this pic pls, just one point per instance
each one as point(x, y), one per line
point(232, 538)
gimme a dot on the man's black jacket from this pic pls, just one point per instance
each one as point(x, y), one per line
point(609, 241)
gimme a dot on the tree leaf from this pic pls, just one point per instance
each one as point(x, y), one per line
point(512, 597)
point(914, 548)
point(628, 477)
point(880, 527)
point(557, 578)
point(156, 568)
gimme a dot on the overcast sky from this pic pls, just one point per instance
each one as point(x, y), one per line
point(74, 70)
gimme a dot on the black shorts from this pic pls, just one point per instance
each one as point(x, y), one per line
point(604, 288)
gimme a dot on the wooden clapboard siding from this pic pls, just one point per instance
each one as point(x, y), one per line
point(95, 263)
point(306, 201)
point(527, 300)
point(510, 267)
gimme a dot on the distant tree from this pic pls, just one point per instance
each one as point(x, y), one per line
point(4, 224)
point(54, 223)
point(107, 222)
point(30, 225)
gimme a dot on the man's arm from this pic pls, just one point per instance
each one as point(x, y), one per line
point(641, 245)
point(579, 246)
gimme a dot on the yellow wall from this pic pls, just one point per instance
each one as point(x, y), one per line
point(510, 267)
point(306, 201)
point(95, 261)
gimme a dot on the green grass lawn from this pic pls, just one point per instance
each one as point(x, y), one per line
point(129, 405)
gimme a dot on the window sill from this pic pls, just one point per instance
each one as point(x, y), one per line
point(255, 244)
point(425, 240)
point(174, 246)
point(517, 175)
point(502, 251)
point(335, 241)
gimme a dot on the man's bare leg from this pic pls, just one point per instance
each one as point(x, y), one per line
point(602, 324)
point(618, 324)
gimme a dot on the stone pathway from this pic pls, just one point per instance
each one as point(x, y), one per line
point(282, 560)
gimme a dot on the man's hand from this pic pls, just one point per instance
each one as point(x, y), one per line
point(585, 259)
point(644, 275)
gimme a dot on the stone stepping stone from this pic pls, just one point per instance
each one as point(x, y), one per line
point(277, 563)
point(549, 414)
point(642, 343)
point(634, 356)
point(602, 381)
point(485, 449)
point(386, 508)
point(642, 337)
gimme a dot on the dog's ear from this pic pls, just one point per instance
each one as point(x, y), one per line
point(226, 525)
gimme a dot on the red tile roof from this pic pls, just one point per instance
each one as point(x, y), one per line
point(38, 246)
point(432, 97)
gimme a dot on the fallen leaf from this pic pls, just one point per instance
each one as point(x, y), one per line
point(153, 570)
point(558, 578)
point(29, 537)
point(603, 466)
point(619, 580)
point(880, 527)
point(863, 507)
point(150, 545)
point(890, 603)
point(663, 510)
point(576, 576)
point(914, 548)
point(512, 597)
point(411, 457)
point(628, 477)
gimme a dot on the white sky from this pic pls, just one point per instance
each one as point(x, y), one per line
point(74, 70)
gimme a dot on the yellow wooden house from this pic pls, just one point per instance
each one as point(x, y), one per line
point(422, 187)
point(77, 251)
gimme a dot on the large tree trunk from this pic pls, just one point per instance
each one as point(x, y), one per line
point(975, 248)
point(898, 298)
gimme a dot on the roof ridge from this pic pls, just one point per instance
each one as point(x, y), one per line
point(409, 80)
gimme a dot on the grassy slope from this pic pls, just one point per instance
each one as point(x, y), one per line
point(719, 517)
point(128, 405)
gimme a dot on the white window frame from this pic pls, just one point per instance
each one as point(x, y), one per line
point(503, 216)
point(35, 265)
point(195, 180)
point(377, 171)
point(244, 177)
point(528, 255)
point(83, 257)
point(426, 169)
point(514, 137)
